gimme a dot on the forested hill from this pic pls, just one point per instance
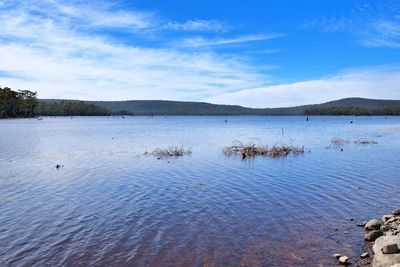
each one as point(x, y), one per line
point(355, 106)
point(161, 107)
point(24, 103)
point(362, 102)
point(347, 106)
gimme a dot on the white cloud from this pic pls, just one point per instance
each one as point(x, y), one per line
point(197, 25)
point(378, 83)
point(50, 47)
point(53, 55)
point(203, 42)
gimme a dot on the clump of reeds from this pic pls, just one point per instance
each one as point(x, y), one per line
point(365, 142)
point(252, 150)
point(284, 150)
point(169, 152)
point(338, 142)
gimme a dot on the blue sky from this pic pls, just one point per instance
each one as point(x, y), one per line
point(251, 53)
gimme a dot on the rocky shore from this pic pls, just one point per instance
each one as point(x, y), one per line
point(382, 243)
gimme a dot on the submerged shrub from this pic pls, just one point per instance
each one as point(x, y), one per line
point(365, 142)
point(169, 152)
point(252, 150)
point(338, 142)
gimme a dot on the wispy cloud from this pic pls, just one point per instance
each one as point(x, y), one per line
point(81, 14)
point(384, 33)
point(197, 25)
point(373, 25)
point(203, 42)
point(374, 82)
point(53, 54)
point(265, 51)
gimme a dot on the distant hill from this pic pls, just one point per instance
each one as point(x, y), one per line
point(161, 107)
point(362, 102)
point(347, 106)
point(355, 106)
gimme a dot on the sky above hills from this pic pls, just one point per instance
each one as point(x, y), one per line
point(253, 53)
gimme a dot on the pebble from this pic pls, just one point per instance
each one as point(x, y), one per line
point(373, 235)
point(373, 224)
point(344, 260)
point(364, 255)
point(337, 255)
point(362, 224)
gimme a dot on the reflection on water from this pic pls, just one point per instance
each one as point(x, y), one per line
point(109, 205)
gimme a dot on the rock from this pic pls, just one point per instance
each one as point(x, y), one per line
point(390, 249)
point(373, 235)
point(362, 224)
point(337, 255)
point(344, 260)
point(373, 224)
point(385, 227)
point(392, 219)
point(385, 260)
point(364, 255)
point(396, 212)
point(386, 217)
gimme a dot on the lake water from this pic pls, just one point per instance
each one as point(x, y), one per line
point(111, 206)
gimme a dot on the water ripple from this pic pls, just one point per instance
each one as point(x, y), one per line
point(110, 206)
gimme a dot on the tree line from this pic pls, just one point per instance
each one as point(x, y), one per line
point(355, 111)
point(24, 104)
point(70, 108)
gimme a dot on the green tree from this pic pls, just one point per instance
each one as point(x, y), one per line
point(14, 104)
point(28, 103)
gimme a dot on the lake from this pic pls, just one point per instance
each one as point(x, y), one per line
point(109, 205)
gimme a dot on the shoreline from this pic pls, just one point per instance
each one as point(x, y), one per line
point(39, 117)
point(381, 243)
